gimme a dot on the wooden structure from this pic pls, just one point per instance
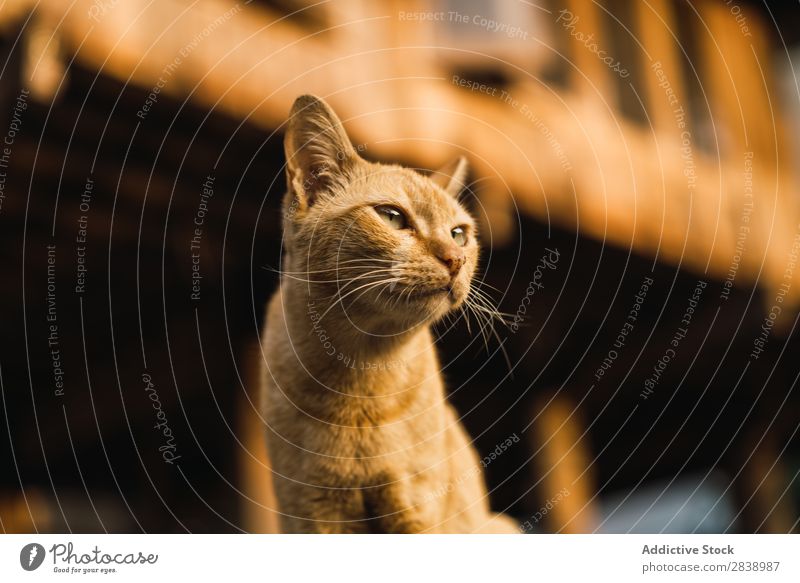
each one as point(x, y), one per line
point(391, 78)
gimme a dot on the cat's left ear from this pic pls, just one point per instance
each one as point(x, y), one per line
point(318, 151)
point(452, 176)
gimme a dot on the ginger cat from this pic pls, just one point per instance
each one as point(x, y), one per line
point(360, 435)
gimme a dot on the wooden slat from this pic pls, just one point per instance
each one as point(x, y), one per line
point(589, 75)
point(259, 508)
point(739, 78)
point(657, 33)
point(568, 485)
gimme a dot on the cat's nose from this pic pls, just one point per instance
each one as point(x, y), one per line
point(452, 257)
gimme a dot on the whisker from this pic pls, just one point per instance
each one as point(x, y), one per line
point(476, 303)
point(483, 283)
point(342, 298)
point(466, 319)
point(386, 285)
point(340, 279)
point(349, 282)
point(484, 299)
point(480, 320)
point(366, 259)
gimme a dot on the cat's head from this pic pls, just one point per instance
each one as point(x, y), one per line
point(387, 242)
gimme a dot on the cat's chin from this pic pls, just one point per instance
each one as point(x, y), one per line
point(439, 292)
point(437, 302)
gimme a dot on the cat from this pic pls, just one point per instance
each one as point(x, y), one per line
point(360, 436)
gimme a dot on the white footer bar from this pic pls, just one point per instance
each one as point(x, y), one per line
point(386, 559)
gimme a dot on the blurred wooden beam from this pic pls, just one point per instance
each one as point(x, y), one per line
point(658, 35)
point(581, 20)
point(764, 487)
point(22, 513)
point(259, 512)
point(740, 81)
point(568, 485)
point(44, 69)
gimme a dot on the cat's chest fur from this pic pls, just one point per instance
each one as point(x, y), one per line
point(377, 411)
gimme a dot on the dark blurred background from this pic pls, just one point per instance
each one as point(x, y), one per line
point(650, 147)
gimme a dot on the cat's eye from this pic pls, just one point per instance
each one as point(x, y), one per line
point(459, 236)
point(392, 217)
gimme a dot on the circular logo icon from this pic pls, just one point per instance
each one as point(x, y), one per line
point(31, 556)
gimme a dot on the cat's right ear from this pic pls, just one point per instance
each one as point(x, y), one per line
point(318, 152)
point(452, 176)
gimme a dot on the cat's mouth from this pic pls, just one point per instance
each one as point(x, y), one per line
point(437, 294)
point(439, 291)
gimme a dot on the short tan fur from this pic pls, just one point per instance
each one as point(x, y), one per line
point(361, 437)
